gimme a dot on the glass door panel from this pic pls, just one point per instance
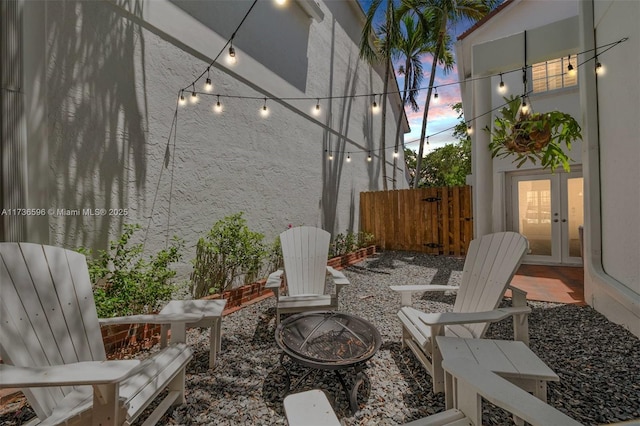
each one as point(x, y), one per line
point(574, 216)
point(534, 215)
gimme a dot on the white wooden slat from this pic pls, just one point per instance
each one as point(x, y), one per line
point(500, 392)
point(22, 347)
point(86, 304)
point(522, 361)
point(309, 406)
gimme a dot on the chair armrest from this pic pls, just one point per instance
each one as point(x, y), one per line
point(75, 374)
point(153, 319)
point(407, 290)
point(452, 318)
point(473, 380)
point(274, 280)
point(338, 277)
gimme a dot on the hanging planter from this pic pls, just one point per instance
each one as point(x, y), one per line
point(533, 136)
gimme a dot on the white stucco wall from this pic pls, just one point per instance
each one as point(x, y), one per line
point(611, 107)
point(112, 74)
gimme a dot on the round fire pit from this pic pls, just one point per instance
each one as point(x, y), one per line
point(328, 341)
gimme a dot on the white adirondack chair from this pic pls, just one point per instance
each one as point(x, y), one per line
point(473, 383)
point(305, 250)
point(491, 262)
point(52, 347)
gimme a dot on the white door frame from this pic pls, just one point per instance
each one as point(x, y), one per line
point(560, 253)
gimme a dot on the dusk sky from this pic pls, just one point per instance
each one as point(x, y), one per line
point(441, 116)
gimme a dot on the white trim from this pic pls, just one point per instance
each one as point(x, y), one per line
point(312, 9)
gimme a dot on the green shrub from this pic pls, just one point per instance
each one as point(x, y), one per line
point(349, 242)
point(229, 253)
point(127, 284)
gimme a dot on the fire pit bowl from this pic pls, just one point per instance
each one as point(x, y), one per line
point(328, 341)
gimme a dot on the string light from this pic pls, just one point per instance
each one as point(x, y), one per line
point(264, 111)
point(395, 153)
point(207, 85)
point(369, 157)
point(469, 129)
point(231, 59)
point(194, 96)
point(435, 96)
point(316, 109)
point(182, 100)
point(599, 68)
point(427, 140)
point(374, 106)
point(524, 108)
point(281, 2)
point(218, 106)
point(502, 88)
point(348, 157)
point(570, 70)
point(330, 156)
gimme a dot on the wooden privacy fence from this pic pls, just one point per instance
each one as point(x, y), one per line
point(428, 220)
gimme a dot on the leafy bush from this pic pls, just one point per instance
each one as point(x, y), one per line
point(349, 242)
point(229, 253)
point(124, 282)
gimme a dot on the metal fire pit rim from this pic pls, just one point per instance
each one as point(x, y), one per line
point(327, 364)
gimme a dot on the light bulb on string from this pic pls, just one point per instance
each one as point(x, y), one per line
point(264, 111)
point(524, 108)
point(281, 2)
point(502, 88)
point(194, 96)
point(374, 106)
point(231, 59)
point(182, 100)
point(218, 106)
point(427, 140)
point(570, 70)
point(435, 96)
point(395, 153)
point(208, 86)
point(369, 157)
point(348, 157)
point(316, 109)
point(330, 156)
point(469, 129)
point(599, 68)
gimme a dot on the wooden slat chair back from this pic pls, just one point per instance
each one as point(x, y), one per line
point(48, 314)
point(305, 251)
point(51, 344)
point(490, 264)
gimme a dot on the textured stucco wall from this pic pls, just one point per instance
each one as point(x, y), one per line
point(112, 77)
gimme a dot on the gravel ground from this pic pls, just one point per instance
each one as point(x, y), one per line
point(598, 362)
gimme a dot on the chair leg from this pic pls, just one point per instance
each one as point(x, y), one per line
point(178, 384)
point(106, 410)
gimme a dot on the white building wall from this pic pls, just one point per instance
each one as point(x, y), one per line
point(112, 71)
point(608, 110)
point(611, 110)
point(499, 46)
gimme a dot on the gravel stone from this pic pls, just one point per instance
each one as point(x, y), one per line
point(598, 361)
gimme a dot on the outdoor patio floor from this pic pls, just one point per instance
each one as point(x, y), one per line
point(598, 362)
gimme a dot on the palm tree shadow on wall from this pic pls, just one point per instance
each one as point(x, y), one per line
point(98, 119)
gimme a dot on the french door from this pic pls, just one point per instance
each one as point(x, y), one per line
point(548, 209)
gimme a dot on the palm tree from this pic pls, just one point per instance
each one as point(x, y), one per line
point(438, 14)
point(412, 43)
point(381, 51)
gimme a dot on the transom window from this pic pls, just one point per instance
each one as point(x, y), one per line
point(552, 75)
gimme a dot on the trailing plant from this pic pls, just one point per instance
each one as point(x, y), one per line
point(124, 282)
point(230, 253)
point(533, 136)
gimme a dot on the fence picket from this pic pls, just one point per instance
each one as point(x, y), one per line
point(404, 220)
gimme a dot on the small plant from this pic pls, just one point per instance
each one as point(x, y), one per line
point(533, 136)
point(229, 254)
point(127, 284)
point(349, 242)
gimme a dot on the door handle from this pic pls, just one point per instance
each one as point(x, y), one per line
point(555, 220)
